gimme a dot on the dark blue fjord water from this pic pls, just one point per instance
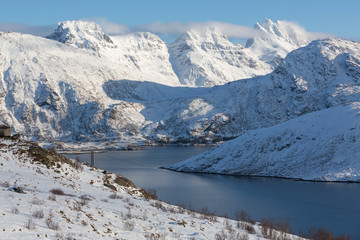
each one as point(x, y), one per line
point(334, 206)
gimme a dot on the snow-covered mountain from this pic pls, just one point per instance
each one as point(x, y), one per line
point(208, 58)
point(276, 39)
point(316, 88)
point(198, 58)
point(321, 145)
point(80, 34)
point(125, 89)
point(137, 56)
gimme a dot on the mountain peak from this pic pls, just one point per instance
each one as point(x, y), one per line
point(81, 34)
point(276, 40)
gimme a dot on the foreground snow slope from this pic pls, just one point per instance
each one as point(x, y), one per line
point(65, 200)
point(320, 145)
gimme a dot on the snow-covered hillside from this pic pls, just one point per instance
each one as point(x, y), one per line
point(44, 195)
point(321, 145)
point(309, 87)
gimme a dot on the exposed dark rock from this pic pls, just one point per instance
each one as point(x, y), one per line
point(5, 131)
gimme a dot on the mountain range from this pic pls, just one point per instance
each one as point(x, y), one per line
point(80, 87)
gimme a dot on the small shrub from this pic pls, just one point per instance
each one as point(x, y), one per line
point(250, 228)
point(145, 216)
point(37, 201)
point(77, 164)
point(220, 236)
point(77, 206)
point(5, 184)
point(30, 224)
point(129, 226)
point(38, 214)
point(206, 214)
point(128, 215)
point(115, 196)
point(155, 236)
point(62, 236)
point(243, 218)
point(51, 224)
point(242, 236)
point(52, 197)
point(323, 234)
point(84, 200)
point(158, 204)
point(283, 227)
point(149, 194)
point(15, 210)
point(267, 225)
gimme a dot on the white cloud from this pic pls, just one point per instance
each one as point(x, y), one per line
point(28, 29)
point(174, 29)
point(108, 27)
point(299, 30)
point(231, 30)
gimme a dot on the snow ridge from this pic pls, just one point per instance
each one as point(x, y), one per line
point(276, 40)
point(208, 58)
point(80, 34)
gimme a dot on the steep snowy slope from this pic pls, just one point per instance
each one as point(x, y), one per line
point(53, 91)
point(276, 40)
point(140, 56)
point(148, 53)
point(321, 75)
point(208, 58)
point(321, 145)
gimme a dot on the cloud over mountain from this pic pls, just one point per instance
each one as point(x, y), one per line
point(172, 28)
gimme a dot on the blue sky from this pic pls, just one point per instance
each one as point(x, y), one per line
point(340, 18)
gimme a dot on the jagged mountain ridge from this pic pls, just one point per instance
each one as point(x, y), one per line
point(53, 91)
point(208, 58)
point(199, 58)
point(276, 40)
